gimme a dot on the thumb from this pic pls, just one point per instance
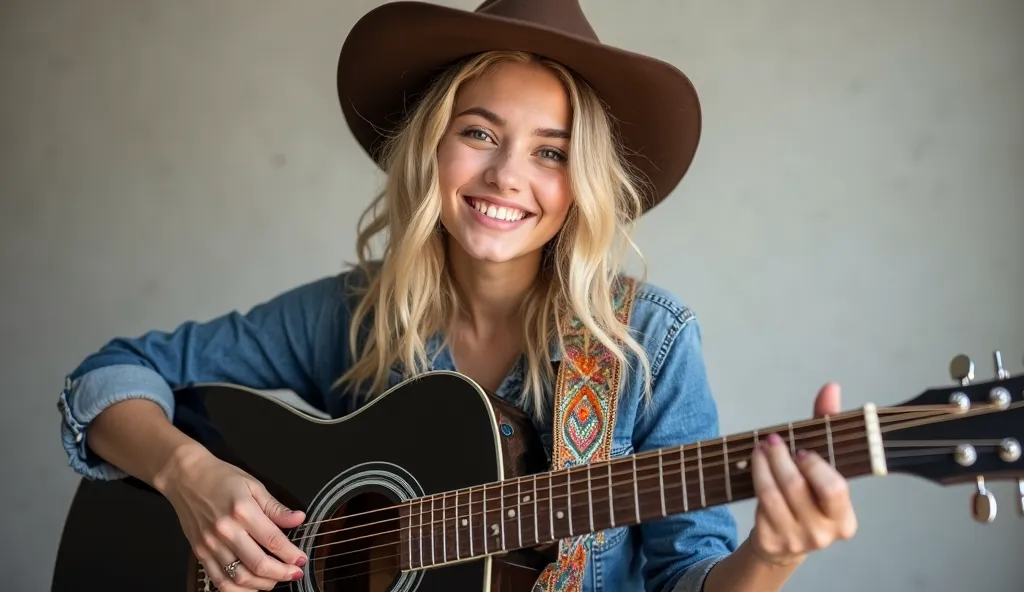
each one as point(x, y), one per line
point(828, 400)
point(278, 513)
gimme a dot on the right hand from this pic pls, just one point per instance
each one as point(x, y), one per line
point(226, 515)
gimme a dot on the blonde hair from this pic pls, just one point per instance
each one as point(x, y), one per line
point(409, 294)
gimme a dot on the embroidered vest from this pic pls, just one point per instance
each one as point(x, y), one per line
point(585, 402)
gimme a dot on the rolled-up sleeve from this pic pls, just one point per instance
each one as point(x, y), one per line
point(289, 342)
point(680, 550)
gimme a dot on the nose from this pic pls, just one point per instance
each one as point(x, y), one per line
point(503, 172)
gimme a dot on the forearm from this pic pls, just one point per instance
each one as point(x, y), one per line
point(744, 571)
point(136, 436)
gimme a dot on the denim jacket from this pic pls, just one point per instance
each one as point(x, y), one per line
point(298, 341)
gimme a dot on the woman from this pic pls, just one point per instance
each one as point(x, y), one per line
point(509, 199)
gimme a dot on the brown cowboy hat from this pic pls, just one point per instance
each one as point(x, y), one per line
point(396, 49)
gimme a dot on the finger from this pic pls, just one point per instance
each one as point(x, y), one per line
point(261, 568)
point(791, 482)
point(280, 514)
point(828, 401)
point(263, 526)
point(772, 502)
point(215, 571)
point(244, 577)
point(831, 491)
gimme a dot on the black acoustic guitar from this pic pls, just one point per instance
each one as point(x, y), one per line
point(438, 486)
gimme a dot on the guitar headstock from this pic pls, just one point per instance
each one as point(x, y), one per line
point(972, 431)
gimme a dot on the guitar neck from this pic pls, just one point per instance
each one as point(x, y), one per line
point(546, 507)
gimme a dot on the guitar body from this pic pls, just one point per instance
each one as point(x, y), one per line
point(432, 434)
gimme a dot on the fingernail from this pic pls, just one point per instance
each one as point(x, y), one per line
point(759, 449)
point(774, 439)
point(297, 576)
point(300, 562)
point(801, 453)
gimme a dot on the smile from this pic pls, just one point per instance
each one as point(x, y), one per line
point(496, 212)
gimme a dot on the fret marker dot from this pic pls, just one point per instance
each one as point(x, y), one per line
point(526, 498)
point(494, 529)
point(741, 465)
point(511, 513)
point(559, 515)
point(465, 522)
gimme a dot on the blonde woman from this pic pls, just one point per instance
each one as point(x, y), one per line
point(519, 152)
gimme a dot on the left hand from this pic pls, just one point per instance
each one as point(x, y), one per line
point(803, 503)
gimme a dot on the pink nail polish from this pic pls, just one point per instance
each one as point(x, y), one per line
point(297, 576)
point(774, 439)
point(801, 454)
point(300, 562)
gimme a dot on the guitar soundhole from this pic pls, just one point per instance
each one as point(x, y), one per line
point(359, 546)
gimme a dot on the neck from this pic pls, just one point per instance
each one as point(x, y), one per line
point(547, 507)
point(492, 292)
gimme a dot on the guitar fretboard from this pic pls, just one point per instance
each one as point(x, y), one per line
point(537, 509)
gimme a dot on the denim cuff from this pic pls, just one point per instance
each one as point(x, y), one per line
point(693, 578)
point(82, 399)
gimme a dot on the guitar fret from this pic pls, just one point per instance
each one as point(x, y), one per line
point(444, 531)
point(421, 532)
point(568, 498)
point(409, 523)
point(483, 516)
point(536, 511)
point(611, 495)
point(828, 434)
point(551, 504)
point(725, 467)
point(432, 560)
point(501, 515)
point(469, 516)
point(458, 549)
point(590, 499)
point(682, 477)
point(792, 440)
point(661, 484)
point(519, 511)
point(700, 476)
point(636, 493)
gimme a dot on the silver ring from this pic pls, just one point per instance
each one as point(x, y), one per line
point(230, 568)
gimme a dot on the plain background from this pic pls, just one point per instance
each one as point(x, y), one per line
point(855, 213)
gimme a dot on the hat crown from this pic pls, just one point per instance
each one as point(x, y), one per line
point(564, 15)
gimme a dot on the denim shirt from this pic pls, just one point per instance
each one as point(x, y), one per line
point(298, 341)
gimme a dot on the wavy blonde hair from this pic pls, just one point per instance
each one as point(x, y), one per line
point(409, 295)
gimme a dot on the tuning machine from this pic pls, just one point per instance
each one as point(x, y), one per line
point(983, 503)
point(961, 369)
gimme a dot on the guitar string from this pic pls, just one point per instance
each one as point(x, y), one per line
point(688, 470)
point(850, 461)
point(603, 502)
point(888, 428)
point(909, 423)
point(708, 452)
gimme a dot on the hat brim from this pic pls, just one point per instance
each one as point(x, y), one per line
point(396, 49)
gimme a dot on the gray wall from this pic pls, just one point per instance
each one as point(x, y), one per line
point(855, 213)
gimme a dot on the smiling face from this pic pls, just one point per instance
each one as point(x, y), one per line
point(502, 163)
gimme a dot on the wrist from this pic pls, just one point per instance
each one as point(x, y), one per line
point(177, 465)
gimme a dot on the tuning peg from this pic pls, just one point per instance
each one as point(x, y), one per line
point(961, 369)
point(1001, 372)
point(983, 503)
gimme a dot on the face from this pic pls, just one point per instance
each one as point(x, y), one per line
point(503, 163)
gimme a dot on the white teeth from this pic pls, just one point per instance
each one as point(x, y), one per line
point(498, 213)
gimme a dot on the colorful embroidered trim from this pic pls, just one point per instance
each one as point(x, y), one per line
point(586, 397)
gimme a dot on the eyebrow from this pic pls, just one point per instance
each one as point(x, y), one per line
point(545, 132)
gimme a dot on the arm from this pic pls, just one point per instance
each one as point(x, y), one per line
point(682, 549)
point(289, 342)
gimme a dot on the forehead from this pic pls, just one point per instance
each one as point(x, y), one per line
point(523, 93)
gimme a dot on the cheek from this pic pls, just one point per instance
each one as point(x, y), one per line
point(455, 167)
point(554, 197)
